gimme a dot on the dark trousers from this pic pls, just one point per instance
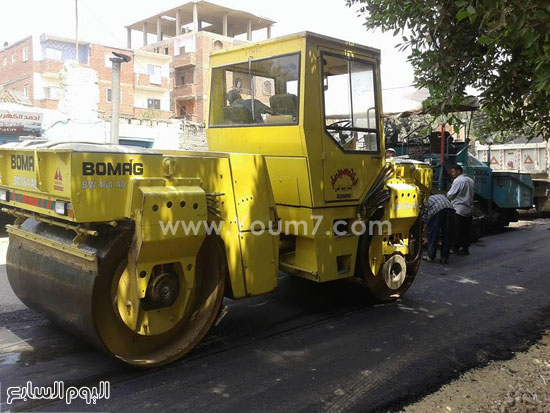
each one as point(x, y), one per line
point(463, 231)
point(442, 222)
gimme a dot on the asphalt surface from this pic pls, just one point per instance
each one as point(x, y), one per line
point(309, 347)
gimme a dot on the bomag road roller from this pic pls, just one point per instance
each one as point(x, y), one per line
point(136, 249)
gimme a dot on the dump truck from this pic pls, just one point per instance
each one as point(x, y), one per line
point(135, 249)
point(523, 157)
point(498, 194)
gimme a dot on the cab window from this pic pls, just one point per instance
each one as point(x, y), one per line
point(350, 107)
point(256, 92)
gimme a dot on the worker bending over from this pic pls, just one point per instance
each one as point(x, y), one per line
point(439, 217)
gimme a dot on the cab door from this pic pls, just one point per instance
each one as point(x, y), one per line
point(351, 117)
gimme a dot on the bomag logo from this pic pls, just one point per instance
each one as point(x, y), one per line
point(111, 169)
point(22, 162)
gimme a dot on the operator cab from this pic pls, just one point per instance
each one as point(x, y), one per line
point(311, 105)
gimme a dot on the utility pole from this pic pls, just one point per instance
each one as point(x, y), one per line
point(76, 20)
point(117, 60)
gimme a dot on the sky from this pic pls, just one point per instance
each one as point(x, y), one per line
point(104, 21)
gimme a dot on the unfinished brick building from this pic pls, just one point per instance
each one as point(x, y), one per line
point(33, 65)
point(189, 33)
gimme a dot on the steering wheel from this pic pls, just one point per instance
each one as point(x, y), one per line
point(345, 123)
point(344, 136)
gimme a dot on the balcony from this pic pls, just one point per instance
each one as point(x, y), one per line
point(184, 60)
point(148, 82)
point(143, 113)
point(185, 91)
point(51, 66)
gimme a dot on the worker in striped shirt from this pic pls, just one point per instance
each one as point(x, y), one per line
point(439, 216)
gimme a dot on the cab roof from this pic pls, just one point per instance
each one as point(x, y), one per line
point(307, 35)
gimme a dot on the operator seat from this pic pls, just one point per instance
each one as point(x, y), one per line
point(237, 115)
point(284, 104)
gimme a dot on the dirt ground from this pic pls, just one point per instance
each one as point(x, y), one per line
point(521, 384)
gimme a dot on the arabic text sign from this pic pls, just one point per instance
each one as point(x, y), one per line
point(20, 123)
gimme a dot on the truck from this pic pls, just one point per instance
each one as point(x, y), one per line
point(135, 249)
point(525, 157)
point(499, 194)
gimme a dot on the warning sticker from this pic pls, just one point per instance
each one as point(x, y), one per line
point(494, 161)
point(58, 181)
point(528, 160)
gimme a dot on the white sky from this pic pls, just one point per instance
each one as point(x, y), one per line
point(103, 21)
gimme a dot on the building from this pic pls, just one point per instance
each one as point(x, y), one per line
point(189, 33)
point(33, 65)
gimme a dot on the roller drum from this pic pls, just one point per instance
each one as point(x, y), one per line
point(79, 294)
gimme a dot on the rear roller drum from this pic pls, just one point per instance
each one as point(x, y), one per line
point(82, 296)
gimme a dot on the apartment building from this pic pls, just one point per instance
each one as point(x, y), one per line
point(189, 33)
point(33, 65)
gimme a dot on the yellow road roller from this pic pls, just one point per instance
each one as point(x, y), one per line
point(136, 249)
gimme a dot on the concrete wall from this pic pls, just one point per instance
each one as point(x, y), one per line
point(193, 138)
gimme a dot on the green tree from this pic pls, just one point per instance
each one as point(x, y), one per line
point(499, 47)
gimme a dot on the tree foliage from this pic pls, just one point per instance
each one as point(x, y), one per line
point(482, 132)
point(499, 47)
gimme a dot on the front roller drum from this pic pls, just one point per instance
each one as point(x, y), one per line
point(80, 294)
point(397, 273)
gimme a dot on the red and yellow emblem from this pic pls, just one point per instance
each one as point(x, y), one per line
point(58, 181)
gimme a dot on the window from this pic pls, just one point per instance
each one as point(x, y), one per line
point(154, 73)
point(54, 54)
point(241, 95)
point(51, 93)
point(166, 51)
point(350, 107)
point(153, 104)
point(25, 54)
point(13, 58)
point(5, 61)
point(26, 90)
point(109, 95)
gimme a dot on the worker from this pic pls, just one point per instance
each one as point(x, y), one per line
point(461, 196)
point(439, 217)
point(390, 153)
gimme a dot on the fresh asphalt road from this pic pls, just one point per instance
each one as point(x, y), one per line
point(309, 347)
